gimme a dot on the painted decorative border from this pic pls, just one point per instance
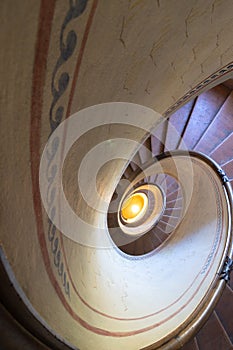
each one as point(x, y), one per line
point(67, 45)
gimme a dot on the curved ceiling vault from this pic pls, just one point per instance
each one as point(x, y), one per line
point(57, 58)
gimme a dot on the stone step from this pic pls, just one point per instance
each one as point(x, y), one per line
point(207, 106)
point(219, 129)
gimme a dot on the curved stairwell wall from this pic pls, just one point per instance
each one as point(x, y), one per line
point(56, 59)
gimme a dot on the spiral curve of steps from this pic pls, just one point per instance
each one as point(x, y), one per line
point(214, 137)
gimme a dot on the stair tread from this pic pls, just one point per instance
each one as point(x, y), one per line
point(158, 138)
point(224, 152)
point(219, 129)
point(224, 310)
point(177, 121)
point(128, 172)
point(145, 151)
point(205, 109)
point(158, 236)
point(165, 229)
point(171, 188)
point(149, 242)
point(136, 162)
point(173, 196)
point(152, 178)
point(139, 246)
point(160, 179)
point(128, 248)
point(171, 211)
point(212, 336)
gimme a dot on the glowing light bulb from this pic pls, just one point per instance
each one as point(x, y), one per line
point(134, 207)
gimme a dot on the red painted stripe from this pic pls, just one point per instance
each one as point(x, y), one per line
point(39, 74)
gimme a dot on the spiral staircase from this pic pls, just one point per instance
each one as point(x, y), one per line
point(214, 139)
point(135, 98)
